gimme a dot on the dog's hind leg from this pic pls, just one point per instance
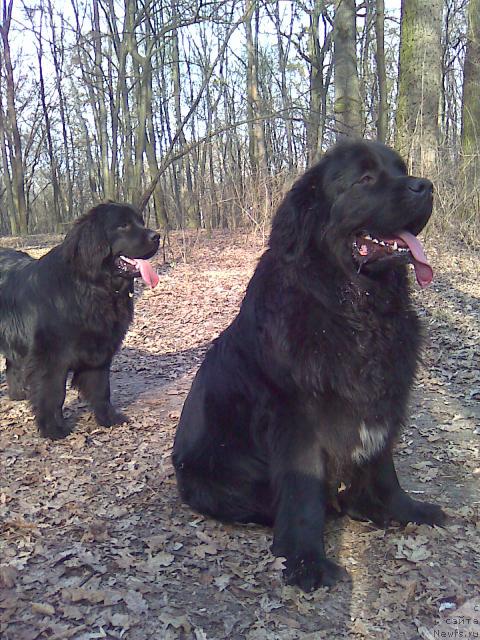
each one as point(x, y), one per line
point(375, 494)
point(46, 383)
point(16, 380)
point(225, 497)
point(94, 386)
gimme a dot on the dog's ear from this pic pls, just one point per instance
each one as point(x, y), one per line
point(297, 219)
point(86, 245)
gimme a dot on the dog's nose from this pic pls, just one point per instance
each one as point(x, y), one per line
point(153, 236)
point(420, 185)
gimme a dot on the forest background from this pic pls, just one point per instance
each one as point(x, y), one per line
point(203, 113)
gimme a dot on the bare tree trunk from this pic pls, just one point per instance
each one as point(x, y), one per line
point(18, 178)
point(100, 105)
point(365, 72)
point(170, 141)
point(210, 180)
point(316, 82)
point(420, 84)
point(160, 208)
point(471, 83)
point(319, 82)
point(286, 102)
point(7, 178)
point(113, 108)
point(123, 97)
point(142, 73)
point(91, 168)
point(94, 178)
point(348, 103)
point(57, 197)
point(382, 117)
point(57, 48)
point(256, 144)
point(119, 110)
point(149, 135)
point(193, 218)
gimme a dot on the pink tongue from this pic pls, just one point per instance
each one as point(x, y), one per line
point(423, 270)
point(149, 276)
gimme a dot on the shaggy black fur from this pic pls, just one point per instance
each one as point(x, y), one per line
point(69, 311)
point(308, 387)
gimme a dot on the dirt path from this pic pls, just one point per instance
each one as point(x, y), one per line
point(96, 544)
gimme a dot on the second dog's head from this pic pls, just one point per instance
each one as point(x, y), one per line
point(101, 239)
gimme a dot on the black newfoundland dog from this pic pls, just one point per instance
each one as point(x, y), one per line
point(70, 310)
point(308, 387)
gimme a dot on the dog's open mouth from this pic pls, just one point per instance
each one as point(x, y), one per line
point(135, 267)
point(368, 249)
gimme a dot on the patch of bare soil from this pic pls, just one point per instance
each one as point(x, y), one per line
point(96, 544)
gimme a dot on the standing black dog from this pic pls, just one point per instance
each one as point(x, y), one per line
point(308, 387)
point(70, 310)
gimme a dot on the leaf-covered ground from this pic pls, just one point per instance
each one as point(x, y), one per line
point(96, 544)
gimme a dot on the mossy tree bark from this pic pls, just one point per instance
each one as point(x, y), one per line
point(256, 134)
point(10, 129)
point(348, 103)
point(471, 83)
point(382, 119)
point(420, 84)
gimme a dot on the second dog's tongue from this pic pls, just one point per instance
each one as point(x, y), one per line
point(423, 270)
point(149, 276)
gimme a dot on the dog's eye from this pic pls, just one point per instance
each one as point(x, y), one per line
point(366, 179)
point(126, 226)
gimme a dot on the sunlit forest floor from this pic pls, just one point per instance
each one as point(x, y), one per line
point(95, 542)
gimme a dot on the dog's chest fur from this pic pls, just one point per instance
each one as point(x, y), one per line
point(107, 313)
point(358, 365)
point(372, 442)
point(362, 356)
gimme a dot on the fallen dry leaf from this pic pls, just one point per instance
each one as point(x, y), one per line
point(42, 608)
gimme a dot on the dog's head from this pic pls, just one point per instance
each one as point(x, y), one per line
point(109, 238)
point(358, 205)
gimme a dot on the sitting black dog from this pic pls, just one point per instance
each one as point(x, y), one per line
point(70, 310)
point(308, 387)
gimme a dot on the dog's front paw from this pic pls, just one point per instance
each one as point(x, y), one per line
point(53, 429)
point(309, 572)
point(409, 510)
point(109, 416)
